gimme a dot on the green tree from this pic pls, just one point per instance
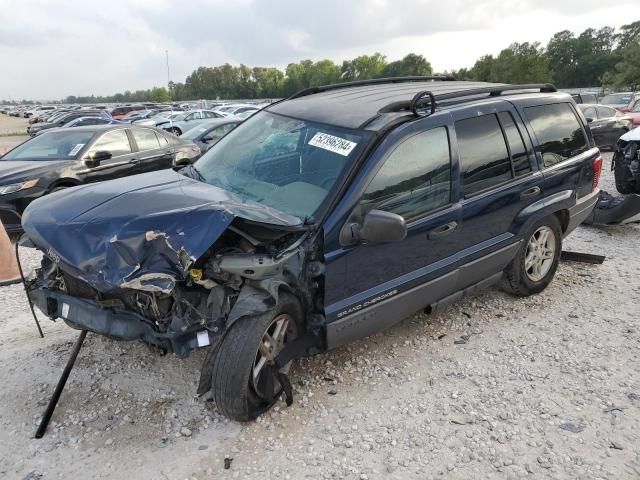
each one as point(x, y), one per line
point(519, 63)
point(159, 94)
point(627, 72)
point(482, 69)
point(410, 65)
point(364, 67)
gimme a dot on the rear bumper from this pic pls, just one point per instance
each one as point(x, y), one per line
point(84, 314)
point(581, 210)
point(628, 210)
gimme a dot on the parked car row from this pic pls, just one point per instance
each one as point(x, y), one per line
point(63, 118)
point(66, 157)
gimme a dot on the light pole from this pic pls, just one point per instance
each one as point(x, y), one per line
point(168, 74)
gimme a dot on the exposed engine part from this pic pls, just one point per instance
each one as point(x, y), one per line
point(626, 165)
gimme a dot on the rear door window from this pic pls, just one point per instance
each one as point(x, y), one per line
point(590, 112)
point(559, 132)
point(146, 139)
point(484, 158)
point(415, 178)
point(606, 112)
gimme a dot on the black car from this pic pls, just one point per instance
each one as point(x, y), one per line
point(318, 221)
point(68, 157)
point(207, 134)
point(606, 123)
point(62, 119)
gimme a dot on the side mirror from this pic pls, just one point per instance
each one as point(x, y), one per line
point(207, 139)
point(626, 109)
point(376, 226)
point(97, 157)
point(589, 119)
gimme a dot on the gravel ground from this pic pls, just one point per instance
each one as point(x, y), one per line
point(491, 387)
point(12, 131)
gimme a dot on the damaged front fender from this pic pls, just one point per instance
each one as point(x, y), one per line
point(142, 232)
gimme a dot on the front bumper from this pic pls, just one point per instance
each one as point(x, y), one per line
point(116, 323)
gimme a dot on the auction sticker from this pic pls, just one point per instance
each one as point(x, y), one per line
point(76, 149)
point(334, 144)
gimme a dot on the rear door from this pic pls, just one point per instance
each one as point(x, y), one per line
point(150, 154)
point(609, 125)
point(498, 182)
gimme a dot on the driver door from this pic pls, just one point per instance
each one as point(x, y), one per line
point(121, 163)
point(369, 286)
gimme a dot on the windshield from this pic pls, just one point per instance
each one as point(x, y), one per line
point(162, 113)
point(287, 164)
point(60, 145)
point(616, 99)
point(177, 117)
point(196, 132)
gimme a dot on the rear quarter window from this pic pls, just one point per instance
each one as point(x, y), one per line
point(559, 132)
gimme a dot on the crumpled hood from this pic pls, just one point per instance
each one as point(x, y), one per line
point(138, 232)
point(17, 171)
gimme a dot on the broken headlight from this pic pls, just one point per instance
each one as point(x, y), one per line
point(16, 187)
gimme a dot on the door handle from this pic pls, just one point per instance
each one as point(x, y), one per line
point(442, 230)
point(134, 160)
point(530, 192)
point(595, 127)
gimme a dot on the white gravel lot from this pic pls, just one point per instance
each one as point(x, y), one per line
point(544, 387)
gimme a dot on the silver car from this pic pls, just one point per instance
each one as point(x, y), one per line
point(188, 120)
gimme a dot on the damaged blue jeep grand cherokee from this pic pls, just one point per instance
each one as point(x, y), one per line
point(320, 220)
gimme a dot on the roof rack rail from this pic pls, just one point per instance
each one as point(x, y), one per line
point(424, 103)
point(373, 81)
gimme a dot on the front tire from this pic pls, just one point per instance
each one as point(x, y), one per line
point(243, 384)
point(535, 265)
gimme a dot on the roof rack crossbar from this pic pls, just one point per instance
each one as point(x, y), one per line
point(373, 81)
point(425, 99)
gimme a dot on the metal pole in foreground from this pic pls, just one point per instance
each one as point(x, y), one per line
point(46, 418)
point(26, 292)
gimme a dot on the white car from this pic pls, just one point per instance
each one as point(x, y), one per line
point(238, 109)
point(38, 111)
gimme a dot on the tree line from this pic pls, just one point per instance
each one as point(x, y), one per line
point(603, 57)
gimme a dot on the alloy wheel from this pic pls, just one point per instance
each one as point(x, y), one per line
point(540, 254)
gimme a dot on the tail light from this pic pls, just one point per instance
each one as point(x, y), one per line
point(597, 171)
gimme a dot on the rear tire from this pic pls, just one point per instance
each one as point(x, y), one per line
point(536, 263)
point(237, 390)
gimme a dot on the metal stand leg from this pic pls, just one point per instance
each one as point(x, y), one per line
point(46, 418)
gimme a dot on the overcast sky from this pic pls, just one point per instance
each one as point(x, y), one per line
point(53, 48)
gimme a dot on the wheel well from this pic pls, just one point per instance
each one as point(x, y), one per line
point(63, 183)
point(563, 218)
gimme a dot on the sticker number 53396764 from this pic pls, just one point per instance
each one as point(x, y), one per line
point(332, 143)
